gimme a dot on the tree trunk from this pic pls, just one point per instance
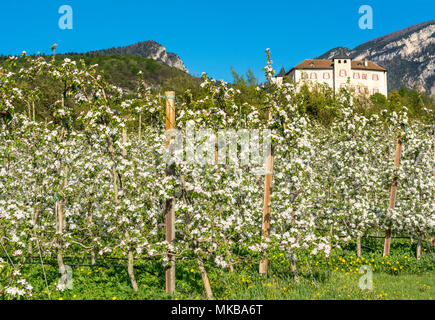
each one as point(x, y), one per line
point(130, 267)
point(205, 280)
point(60, 214)
point(131, 264)
point(33, 234)
point(231, 266)
point(90, 218)
point(358, 246)
point(387, 243)
point(393, 191)
point(60, 226)
point(418, 254)
point(266, 203)
point(294, 267)
point(30, 249)
point(28, 111)
point(140, 127)
point(93, 262)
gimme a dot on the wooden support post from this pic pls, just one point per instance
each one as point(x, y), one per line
point(170, 203)
point(387, 242)
point(266, 203)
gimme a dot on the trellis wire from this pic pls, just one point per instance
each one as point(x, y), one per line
point(106, 266)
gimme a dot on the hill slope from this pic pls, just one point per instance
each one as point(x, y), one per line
point(146, 49)
point(123, 71)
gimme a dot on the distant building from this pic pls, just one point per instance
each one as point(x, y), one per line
point(280, 76)
point(364, 77)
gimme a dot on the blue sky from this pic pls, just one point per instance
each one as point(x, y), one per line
point(209, 36)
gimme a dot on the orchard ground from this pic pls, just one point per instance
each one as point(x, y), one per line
point(399, 276)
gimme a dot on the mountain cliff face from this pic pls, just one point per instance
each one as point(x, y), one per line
point(147, 49)
point(408, 55)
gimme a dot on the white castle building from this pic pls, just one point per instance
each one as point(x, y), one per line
point(363, 77)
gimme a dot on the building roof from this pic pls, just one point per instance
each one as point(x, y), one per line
point(358, 64)
point(315, 64)
point(341, 55)
point(281, 73)
point(329, 64)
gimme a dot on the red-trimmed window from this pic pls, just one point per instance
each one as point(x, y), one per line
point(364, 76)
point(375, 90)
point(326, 75)
point(342, 73)
point(313, 75)
point(356, 75)
point(304, 75)
point(366, 90)
point(375, 77)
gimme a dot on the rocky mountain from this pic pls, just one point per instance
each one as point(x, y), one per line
point(408, 55)
point(147, 49)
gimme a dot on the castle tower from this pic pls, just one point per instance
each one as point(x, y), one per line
point(342, 70)
point(280, 76)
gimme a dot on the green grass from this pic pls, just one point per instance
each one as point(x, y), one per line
point(113, 283)
point(399, 276)
point(336, 285)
